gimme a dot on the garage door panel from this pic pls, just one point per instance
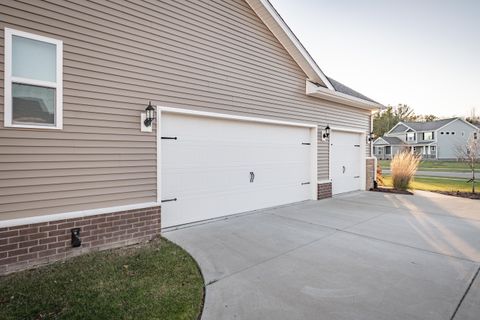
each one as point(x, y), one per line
point(345, 148)
point(207, 169)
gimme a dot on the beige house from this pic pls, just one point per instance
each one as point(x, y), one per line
point(245, 119)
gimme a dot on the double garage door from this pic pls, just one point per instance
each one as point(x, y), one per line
point(212, 167)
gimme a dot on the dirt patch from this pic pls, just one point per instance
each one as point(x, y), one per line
point(391, 190)
point(468, 195)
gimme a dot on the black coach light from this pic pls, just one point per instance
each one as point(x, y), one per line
point(326, 133)
point(371, 137)
point(149, 115)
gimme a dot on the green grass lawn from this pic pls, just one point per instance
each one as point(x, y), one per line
point(429, 165)
point(435, 184)
point(158, 280)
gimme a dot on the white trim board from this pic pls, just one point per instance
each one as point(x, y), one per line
point(9, 79)
point(74, 214)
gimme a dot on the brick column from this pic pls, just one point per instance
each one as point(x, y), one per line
point(370, 173)
point(324, 190)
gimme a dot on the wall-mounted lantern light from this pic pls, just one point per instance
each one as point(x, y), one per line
point(371, 136)
point(326, 132)
point(149, 115)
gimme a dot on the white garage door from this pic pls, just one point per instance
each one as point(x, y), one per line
point(346, 161)
point(212, 167)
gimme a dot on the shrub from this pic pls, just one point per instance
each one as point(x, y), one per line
point(403, 167)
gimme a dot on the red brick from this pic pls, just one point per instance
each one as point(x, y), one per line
point(9, 247)
point(81, 223)
point(17, 252)
point(98, 220)
point(8, 260)
point(106, 225)
point(56, 245)
point(57, 233)
point(113, 218)
point(90, 227)
point(4, 241)
point(39, 235)
point(8, 234)
point(48, 240)
point(48, 228)
point(29, 256)
point(27, 244)
point(38, 248)
point(46, 253)
point(17, 239)
point(28, 231)
point(97, 242)
point(67, 225)
point(3, 255)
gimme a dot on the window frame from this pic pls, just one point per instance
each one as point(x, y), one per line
point(9, 80)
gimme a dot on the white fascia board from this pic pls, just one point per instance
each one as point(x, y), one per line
point(314, 90)
point(270, 17)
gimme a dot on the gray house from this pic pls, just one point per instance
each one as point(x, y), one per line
point(433, 140)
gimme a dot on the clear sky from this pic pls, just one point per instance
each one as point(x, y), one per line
point(423, 53)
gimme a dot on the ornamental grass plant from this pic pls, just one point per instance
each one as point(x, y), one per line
point(403, 168)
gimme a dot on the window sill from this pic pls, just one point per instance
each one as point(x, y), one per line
point(32, 126)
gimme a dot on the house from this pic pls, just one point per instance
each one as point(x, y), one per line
point(245, 119)
point(432, 140)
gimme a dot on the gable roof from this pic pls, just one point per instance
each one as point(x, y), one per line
point(431, 125)
point(318, 84)
point(391, 140)
point(400, 127)
point(340, 87)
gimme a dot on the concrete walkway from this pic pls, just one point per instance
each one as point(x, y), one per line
point(363, 255)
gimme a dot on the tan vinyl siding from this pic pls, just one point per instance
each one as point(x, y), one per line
point(210, 55)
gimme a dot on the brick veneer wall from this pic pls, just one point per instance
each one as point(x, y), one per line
point(26, 246)
point(324, 190)
point(370, 173)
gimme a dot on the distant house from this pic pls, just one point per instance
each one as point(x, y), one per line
point(433, 140)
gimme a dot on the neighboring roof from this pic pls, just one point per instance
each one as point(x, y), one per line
point(318, 84)
point(399, 128)
point(340, 87)
point(393, 140)
point(431, 125)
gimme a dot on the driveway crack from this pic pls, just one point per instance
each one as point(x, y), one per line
point(465, 294)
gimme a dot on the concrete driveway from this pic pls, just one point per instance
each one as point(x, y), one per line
point(363, 255)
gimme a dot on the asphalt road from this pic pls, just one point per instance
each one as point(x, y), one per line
point(443, 174)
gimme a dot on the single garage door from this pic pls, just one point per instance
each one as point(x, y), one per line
point(212, 167)
point(346, 161)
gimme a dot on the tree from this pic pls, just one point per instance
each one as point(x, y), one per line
point(470, 155)
point(390, 116)
point(429, 117)
point(473, 119)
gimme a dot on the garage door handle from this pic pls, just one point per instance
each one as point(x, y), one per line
point(252, 176)
point(343, 169)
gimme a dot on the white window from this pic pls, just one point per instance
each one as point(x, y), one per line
point(475, 135)
point(33, 81)
point(410, 136)
point(428, 136)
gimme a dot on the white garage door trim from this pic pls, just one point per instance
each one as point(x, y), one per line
point(363, 157)
point(313, 139)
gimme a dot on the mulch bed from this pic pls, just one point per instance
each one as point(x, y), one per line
point(468, 195)
point(391, 190)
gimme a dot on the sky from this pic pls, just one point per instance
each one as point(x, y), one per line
point(422, 53)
